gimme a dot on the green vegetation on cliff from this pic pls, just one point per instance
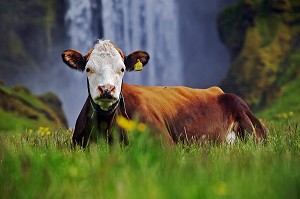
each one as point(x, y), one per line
point(263, 38)
point(20, 110)
point(286, 107)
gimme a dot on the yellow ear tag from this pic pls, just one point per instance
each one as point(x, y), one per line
point(138, 66)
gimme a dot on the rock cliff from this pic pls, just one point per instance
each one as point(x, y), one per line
point(263, 38)
point(29, 33)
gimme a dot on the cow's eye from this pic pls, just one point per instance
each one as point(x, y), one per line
point(122, 70)
point(88, 70)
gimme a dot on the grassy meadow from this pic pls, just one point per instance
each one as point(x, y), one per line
point(39, 163)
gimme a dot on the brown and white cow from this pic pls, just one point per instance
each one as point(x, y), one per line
point(178, 113)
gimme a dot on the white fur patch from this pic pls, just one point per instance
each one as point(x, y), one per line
point(106, 64)
point(231, 137)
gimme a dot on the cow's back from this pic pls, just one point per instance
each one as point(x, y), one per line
point(181, 113)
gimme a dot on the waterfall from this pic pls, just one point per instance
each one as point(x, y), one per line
point(150, 26)
point(132, 25)
point(79, 19)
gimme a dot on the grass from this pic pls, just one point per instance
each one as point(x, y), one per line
point(13, 121)
point(287, 103)
point(41, 164)
point(36, 165)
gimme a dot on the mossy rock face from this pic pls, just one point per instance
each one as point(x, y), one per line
point(20, 110)
point(55, 104)
point(29, 31)
point(280, 6)
point(264, 48)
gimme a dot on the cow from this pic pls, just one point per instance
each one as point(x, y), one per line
point(177, 113)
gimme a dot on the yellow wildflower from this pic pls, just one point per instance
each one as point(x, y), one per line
point(125, 124)
point(41, 133)
point(141, 127)
point(221, 189)
point(130, 125)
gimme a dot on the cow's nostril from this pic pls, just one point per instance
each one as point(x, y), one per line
point(112, 88)
point(100, 89)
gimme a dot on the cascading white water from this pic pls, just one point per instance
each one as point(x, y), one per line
point(79, 19)
point(147, 25)
point(132, 24)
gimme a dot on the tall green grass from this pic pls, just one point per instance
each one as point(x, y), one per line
point(36, 165)
point(41, 164)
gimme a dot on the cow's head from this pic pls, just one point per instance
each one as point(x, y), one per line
point(105, 65)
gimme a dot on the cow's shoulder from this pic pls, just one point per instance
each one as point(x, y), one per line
point(215, 90)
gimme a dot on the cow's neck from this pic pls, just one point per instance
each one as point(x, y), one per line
point(101, 120)
point(107, 116)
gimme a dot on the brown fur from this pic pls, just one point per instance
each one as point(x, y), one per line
point(186, 114)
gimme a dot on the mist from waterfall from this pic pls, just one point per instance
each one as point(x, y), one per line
point(151, 26)
point(206, 60)
point(80, 24)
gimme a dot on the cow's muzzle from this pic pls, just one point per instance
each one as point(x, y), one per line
point(106, 91)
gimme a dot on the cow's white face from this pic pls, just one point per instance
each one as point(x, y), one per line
point(105, 65)
point(105, 70)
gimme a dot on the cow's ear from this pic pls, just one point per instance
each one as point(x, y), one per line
point(74, 59)
point(136, 60)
